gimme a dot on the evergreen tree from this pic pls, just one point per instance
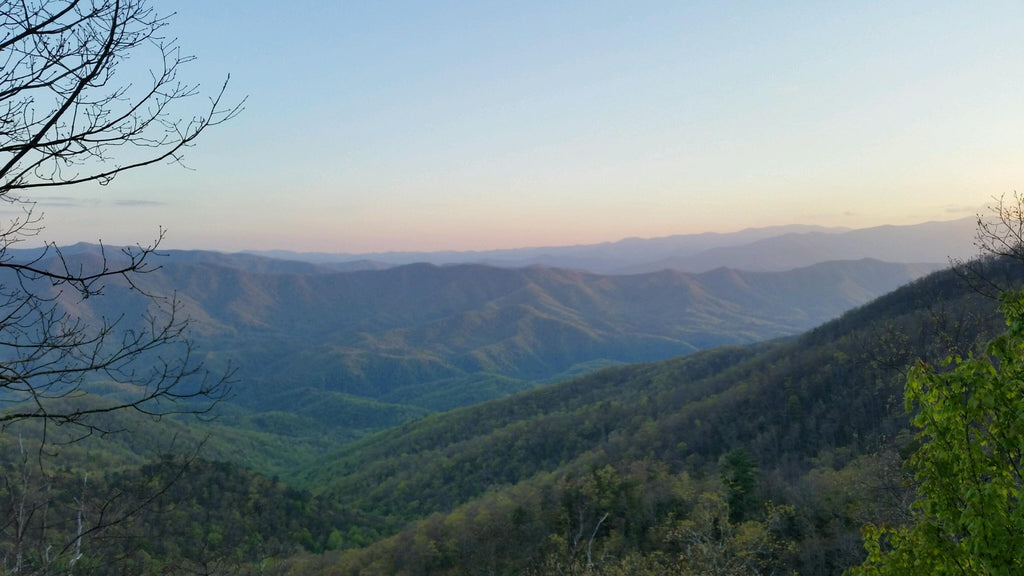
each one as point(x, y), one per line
point(739, 474)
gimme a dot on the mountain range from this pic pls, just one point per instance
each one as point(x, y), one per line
point(757, 249)
point(637, 458)
point(357, 351)
point(435, 337)
point(468, 419)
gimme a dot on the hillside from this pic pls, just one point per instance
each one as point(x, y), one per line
point(817, 416)
point(436, 337)
point(323, 357)
point(776, 453)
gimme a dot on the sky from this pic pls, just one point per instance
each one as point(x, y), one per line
point(433, 125)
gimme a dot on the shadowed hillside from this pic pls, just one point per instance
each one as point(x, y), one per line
point(776, 452)
point(821, 418)
point(438, 337)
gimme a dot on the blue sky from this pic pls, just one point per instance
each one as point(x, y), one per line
point(384, 125)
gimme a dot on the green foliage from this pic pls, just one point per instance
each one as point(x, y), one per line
point(969, 518)
point(708, 542)
point(739, 475)
point(446, 394)
point(636, 519)
point(172, 515)
point(818, 414)
point(640, 469)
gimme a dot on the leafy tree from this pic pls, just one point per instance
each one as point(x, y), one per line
point(708, 542)
point(969, 514)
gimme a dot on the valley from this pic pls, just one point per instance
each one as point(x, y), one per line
point(466, 418)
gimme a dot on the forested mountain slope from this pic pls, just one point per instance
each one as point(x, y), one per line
point(766, 457)
point(438, 337)
point(820, 417)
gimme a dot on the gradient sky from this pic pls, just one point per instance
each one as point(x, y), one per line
point(382, 125)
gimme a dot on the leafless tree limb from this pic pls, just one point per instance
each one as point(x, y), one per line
point(69, 116)
point(999, 235)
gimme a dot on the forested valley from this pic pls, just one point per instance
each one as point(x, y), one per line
point(780, 399)
point(758, 458)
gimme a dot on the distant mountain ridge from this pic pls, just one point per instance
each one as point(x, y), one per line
point(928, 242)
point(757, 249)
point(435, 337)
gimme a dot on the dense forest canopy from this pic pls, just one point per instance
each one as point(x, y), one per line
point(472, 419)
point(764, 457)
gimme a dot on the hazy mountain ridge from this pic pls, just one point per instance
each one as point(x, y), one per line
point(928, 242)
point(757, 249)
point(604, 257)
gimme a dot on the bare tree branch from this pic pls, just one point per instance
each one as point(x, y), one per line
point(999, 235)
point(68, 116)
point(64, 114)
